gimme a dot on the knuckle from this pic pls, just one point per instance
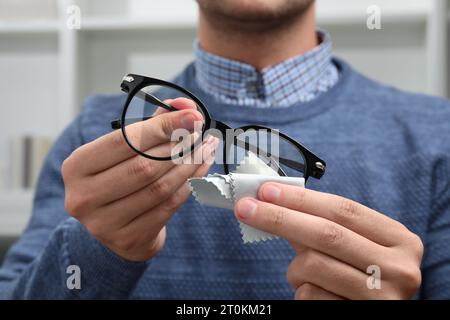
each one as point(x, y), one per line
point(412, 279)
point(173, 202)
point(305, 292)
point(405, 279)
point(346, 211)
point(125, 243)
point(78, 152)
point(117, 139)
point(417, 245)
point(412, 243)
point(420, 249)
point(142, 168)
point(331, 235)
point(96, 229)
point(311, 263)
point(66, 168)
point(159, 188)
point(300, 195)
point(167, 126)
point(76, 204)
point(70, 164)
point(292, 274)
point(157, 244)
point(277, 217)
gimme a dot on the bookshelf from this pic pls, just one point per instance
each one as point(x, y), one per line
point(58, 67)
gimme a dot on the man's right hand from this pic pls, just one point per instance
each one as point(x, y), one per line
point(125, 200)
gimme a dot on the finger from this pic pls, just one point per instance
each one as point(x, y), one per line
point(182, 103)
point(131, 175)
point(184, 191)
point(174, 202)
point(146, 227)
point(125, 178)
point(178, 103)
point(122, 212)
point(312, 231)
point(350, 214)
point(330, 274)
point(161, 110)
point(308, 291)
point(112, 148)
point(132, 248)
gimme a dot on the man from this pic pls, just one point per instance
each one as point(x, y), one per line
point(128, 222)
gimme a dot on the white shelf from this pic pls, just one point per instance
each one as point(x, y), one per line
point(15, 211)
point(97, 23)
point(31, 27)
point(391, 16)
point(124, 24)
point(355, 11)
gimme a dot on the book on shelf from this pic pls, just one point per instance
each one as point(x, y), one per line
point(23, 162)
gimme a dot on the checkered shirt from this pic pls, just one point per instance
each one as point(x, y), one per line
point(298, 79)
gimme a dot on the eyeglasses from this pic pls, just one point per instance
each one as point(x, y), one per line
point(276, 149)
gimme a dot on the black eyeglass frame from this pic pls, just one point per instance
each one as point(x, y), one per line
point(133, 83)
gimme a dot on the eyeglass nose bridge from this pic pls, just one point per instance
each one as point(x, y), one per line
point(223, 128)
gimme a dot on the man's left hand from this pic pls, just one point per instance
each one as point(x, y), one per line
point(338, 242)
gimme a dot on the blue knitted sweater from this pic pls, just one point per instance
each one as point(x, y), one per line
point(384, 148)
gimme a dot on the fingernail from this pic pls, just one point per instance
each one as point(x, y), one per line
point(271, 192)
point(209, 149)
point(208, 140)
point(188, 121)
point(214, 142)
point(246, 209)
point(210, 157)
point(191, 121)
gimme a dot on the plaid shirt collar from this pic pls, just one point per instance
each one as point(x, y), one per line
point(298, 79)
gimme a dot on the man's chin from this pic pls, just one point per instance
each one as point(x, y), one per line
point(254, 13)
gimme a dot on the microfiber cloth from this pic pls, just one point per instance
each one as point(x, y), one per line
point(222, 191)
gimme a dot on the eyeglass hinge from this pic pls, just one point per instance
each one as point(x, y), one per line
point(320, 169)
point(128, 79)
point(320, 166)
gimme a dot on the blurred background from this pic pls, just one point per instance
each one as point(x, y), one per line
point(55, 53)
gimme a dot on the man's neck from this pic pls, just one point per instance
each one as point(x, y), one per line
point(260, 49)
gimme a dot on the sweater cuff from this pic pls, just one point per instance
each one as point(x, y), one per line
point(104, 275)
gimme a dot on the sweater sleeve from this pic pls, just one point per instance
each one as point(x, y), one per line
point(37, 266)
point(436, 265)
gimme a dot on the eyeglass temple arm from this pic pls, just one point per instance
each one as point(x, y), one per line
point(316, 173)
point(117, 124)
point(291, 164)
